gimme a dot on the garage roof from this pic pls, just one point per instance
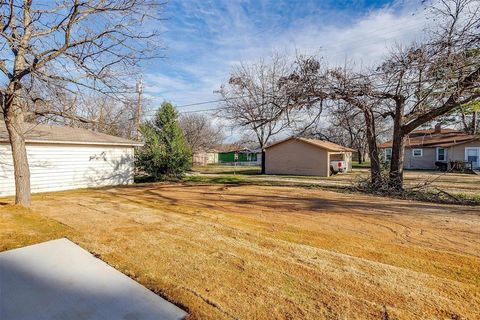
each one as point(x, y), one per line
point(330, 146)
point(40, 133)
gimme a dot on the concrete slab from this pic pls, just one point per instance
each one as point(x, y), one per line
point(59, 280)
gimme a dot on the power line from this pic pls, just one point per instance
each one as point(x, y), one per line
point(204, 110)
point(338, 51)
point(246, 96)
point(335, 51)
point(200, 103)
point(211, 101)
point(195, 111)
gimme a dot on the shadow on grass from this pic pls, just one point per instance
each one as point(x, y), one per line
point(247, 172)
point(363, 165)
point(220, 180)
point(148, 195)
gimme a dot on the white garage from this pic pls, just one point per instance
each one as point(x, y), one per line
point(63, 158)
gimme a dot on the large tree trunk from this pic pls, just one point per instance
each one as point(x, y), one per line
point(396, 164)
point(375, 167)
point(475, 122)
point(263, 161)
point(14, 122)
point(398, 150)
point(360, 156)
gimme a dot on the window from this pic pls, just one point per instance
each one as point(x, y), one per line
point(441, 154)
point(472, 155)
point(388, 154)
point(417, 153)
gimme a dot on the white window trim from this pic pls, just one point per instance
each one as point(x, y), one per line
point(385, 153)
point(444, 154)
point(413, 153)
point(472, 148)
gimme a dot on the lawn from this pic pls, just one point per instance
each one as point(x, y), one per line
point(266, 252)
point(364, 164)
point(455, 183)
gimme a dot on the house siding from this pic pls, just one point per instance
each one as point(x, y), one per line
point(457, 153)
point(212, 157)
point(427, 161)
point(297, 158)
point(55, 167)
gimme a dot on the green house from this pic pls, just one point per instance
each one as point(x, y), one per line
point(244, 156)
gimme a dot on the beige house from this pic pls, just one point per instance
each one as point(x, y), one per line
point(427, 149)
point(63, 158)
point(203, 158)
point(307, 157)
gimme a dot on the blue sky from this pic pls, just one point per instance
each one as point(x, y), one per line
point(205, 38)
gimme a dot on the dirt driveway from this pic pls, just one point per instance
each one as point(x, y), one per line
point(245, 252)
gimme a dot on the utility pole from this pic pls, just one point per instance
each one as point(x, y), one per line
point(139, 90)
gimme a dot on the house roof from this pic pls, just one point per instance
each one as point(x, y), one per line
point(235, 147)
point(330, 146)
point(431, 138)
point(40, 133)
point(244, 150)
point(422, 132)
point(226, 147)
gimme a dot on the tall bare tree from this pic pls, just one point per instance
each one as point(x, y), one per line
point(199, 131)
point(346, 127)
point(52, 47)
point(430, 79)
point(255, 99)
point(413, 86)
point(313, 83)
point(252, 98)
point(93, 111)
point(470, 118)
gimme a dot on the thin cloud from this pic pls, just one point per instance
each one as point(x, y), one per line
point(206, 39)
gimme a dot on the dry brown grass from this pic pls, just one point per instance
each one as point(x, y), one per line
point(20, 227)
point(450, 182)
point(249, 252)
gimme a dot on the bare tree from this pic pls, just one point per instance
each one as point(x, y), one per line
point(93, 111)
point(413, 86)
point(345, 127)
point(199, 132)
point(312, 83)
point(427, 80)
point(355, 90)
point(469, 117)
point(252, 99)
point(108, 115)
point(50, 48)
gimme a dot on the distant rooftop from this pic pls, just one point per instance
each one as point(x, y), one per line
point(438, 137)
point(40, 133)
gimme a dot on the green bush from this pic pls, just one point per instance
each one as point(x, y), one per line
point(165, 154)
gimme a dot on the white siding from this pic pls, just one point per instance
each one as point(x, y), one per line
point(56, 167)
